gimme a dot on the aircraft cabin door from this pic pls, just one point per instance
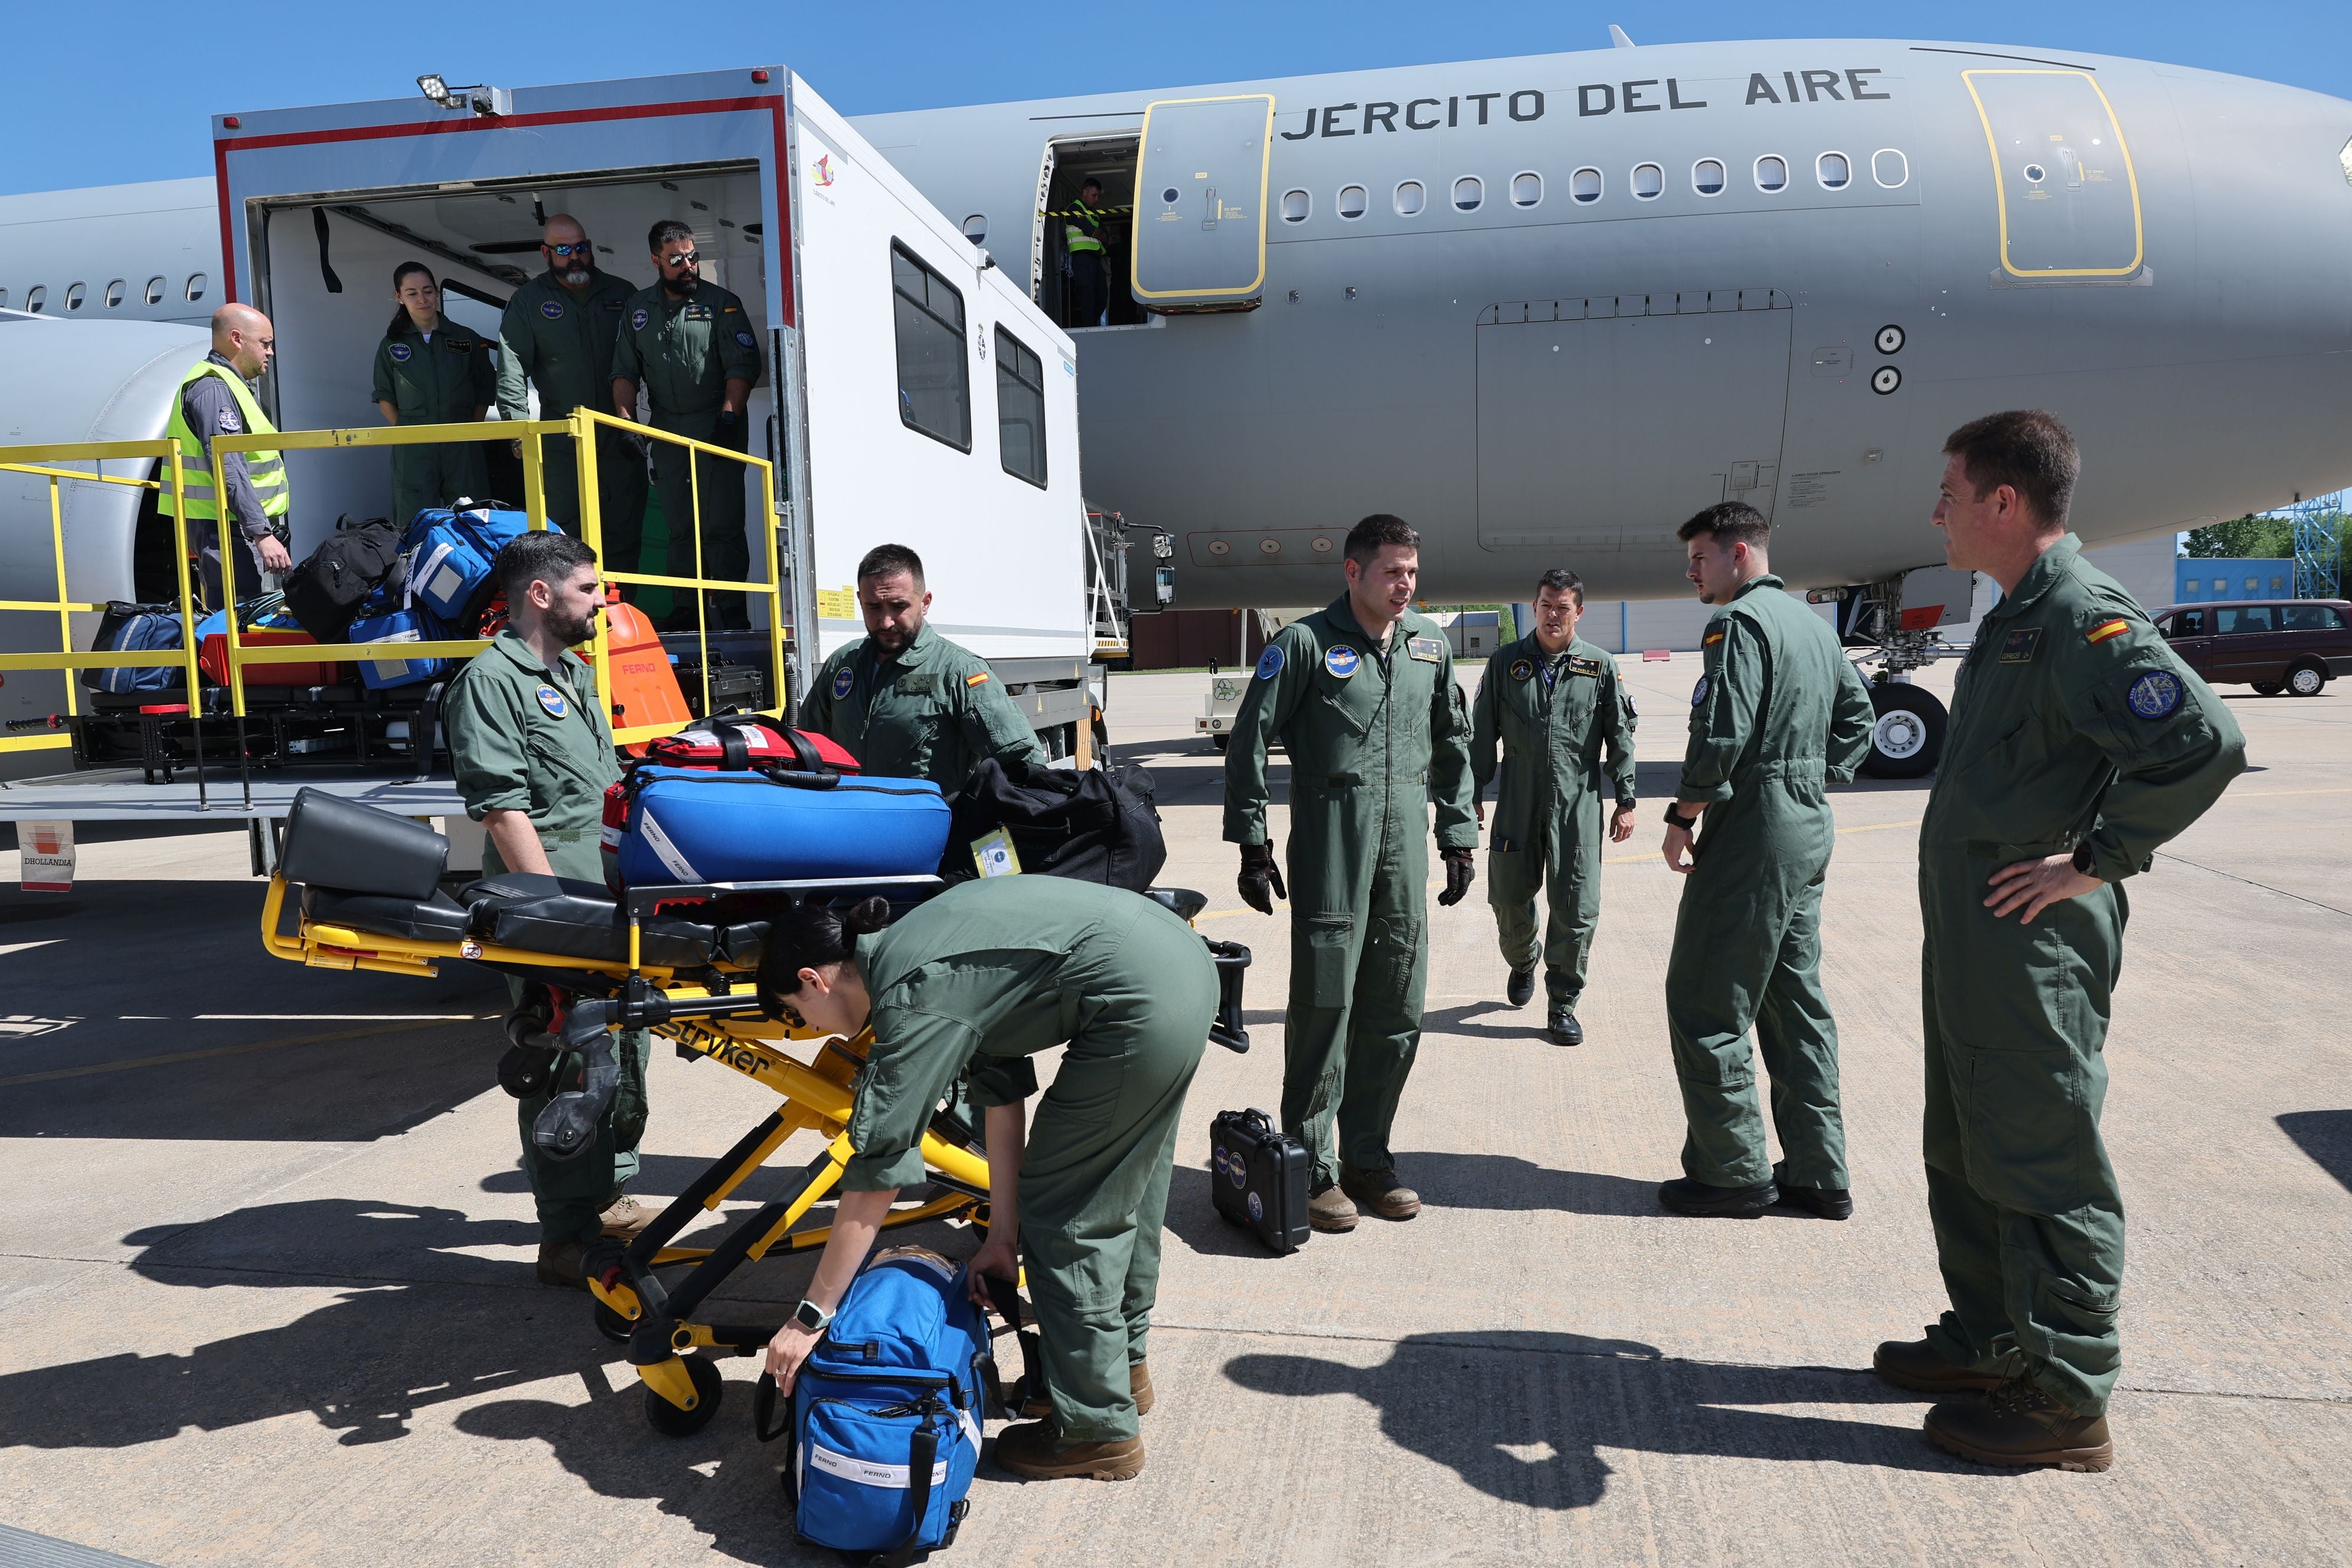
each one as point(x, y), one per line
point(2069, 196)
point(1199, 202)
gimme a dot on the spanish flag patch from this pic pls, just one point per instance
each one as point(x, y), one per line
point(1712, 638)
point(976, 680)
point(2106, 629)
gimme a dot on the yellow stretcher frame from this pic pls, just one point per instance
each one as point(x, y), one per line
point(580, 425)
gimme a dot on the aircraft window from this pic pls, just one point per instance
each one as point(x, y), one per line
point(1890, 168)
point(975, 227)
point(1468, 191)
point(35, 296)
point(1296, 205)
point(934, 375)
point(155, 290)
point(1648, 181)
point(4, 299)
point(1410, 197)
point(74, 292)
point(114, 293)
point(1585, 185)
point(1351, 201)
point(1527, 190)
point(1771, 172)
point(196, 286)
point(1834, 171)
point(1020, 409)
point(1708, 177)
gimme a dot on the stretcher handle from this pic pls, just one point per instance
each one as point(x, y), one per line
point(567, 1125)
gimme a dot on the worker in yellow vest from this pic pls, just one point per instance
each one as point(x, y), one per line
point(216, 399)
point(1082, 239)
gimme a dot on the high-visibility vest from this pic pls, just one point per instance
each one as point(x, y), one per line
point(1075, 238)
point(266, 469)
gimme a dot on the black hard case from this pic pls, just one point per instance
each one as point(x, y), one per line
point(1258, 1175)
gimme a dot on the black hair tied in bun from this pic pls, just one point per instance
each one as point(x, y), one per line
point(810, 936)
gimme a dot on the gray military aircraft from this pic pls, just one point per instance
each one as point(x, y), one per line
point(1548, 307)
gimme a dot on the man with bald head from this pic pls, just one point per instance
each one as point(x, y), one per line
point(557, 335)
point(215, 399)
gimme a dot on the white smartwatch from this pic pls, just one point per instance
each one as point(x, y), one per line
point(811, 1316)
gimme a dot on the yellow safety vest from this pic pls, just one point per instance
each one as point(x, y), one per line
point(266, 469)
point(1077, 240)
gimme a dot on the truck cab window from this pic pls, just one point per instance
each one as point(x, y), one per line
point(1020, 409)
point(934, 375)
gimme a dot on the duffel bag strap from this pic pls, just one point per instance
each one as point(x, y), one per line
point(922, 1454)
point(1005, 1297)
point(763, 1408)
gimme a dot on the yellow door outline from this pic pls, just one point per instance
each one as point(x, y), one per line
point(2000, 190)
point(1265, 183)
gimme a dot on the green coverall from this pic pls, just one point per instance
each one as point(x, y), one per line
point(437, 383)
point(683, 349)
point(525, 738)
point(932, 712)
point(987, 974)
point(561, 342)
point(1566, 729)
point(1779, 712)
point(2073, 723)
point(1373, 738)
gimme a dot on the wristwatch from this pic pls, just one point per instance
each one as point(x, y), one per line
point(1677, 818)
point(811, 1316)
point(2082, 859)
point(1629, 806)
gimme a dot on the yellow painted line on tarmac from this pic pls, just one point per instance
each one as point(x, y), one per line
point(56, 1073)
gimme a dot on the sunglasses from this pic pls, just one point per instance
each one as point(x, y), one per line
point(683, 258)
point(583, 249)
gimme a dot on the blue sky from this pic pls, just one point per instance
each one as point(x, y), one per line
point(115, 92)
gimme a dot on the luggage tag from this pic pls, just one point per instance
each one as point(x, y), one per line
point(994, 855)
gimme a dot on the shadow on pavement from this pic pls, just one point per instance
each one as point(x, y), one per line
point(1524, 1416)
point(1505, 1182)
point(2325, 1136)
point(1527, 1022)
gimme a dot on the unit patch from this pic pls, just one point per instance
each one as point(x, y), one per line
point(978, 680)
point(1341, 660)
point(2106, 629)
point(746, 339)
point(1698, 692)
point(2021, 645)
point(551, 309)
point(228, 422)
point(1429, 650)
point(1522, 667)
point(552, 701)
point(1579, 665)
point(843, 680)
point(637, 319)
point(399, 353)
point(1269, 663)
point(2155, 695)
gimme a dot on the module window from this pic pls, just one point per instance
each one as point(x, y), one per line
point(934, 375)
point(1020, 408)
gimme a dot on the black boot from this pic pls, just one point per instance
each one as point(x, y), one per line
point(1829, 1203)
point(1682, 1195)
point(1522, 988)
point(1562, 1027)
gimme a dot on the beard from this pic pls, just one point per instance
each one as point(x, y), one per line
point(686, 285)
point(579, 275)
point(574, 630)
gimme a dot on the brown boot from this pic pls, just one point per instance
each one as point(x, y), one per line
point(1380, 1193)
point(1329, 1210)
point(559, 1264)
point(1913, 1364)
point(2018, 1424)
point(1033, 1450)
point(1139, 1383)
point(626, 1219)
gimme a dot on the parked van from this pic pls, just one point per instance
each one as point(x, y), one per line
point(2271, 644)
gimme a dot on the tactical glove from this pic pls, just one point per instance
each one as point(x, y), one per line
point(1261, 880)
point(1459, 875)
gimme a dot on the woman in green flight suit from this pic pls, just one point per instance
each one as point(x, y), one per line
point(431, 371)
point(985, 976)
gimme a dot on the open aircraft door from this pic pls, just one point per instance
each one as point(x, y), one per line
point(1201, 202)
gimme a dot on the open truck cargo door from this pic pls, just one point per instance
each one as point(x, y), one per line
point(1199, 202)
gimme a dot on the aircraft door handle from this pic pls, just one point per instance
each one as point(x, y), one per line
point(1213, 208)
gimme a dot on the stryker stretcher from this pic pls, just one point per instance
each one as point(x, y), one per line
point(679, 961)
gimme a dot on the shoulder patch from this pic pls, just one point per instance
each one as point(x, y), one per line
point(1341, 660)
point(2155, 695)
point(976, 679)
point(746, 339)
point(2106, 629)
point(1698, 692)
point(1429, 650)
point(733, 311)
point(1269, 663)
point(2021, 644)
point(1712, 638)
point(228, 422)
point(1521, 668)
point(399, 353)
point(639, 318)
point(843, 680)
point(551, 309)
point(553, 701)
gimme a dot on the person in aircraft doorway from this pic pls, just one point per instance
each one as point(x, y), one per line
point(1082, 239)
point(430, 370)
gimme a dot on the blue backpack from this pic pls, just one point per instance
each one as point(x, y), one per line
point(884, 1431)
point(450, 555)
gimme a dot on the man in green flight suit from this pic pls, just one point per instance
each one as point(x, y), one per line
point(557, 335)
point(2079, 744)
point(1362, 695)
point(1779, 713)
point(532, 757)
point(1554, 703)
point(691, 343)
point(904, 700)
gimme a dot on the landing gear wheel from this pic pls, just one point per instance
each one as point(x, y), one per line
point(1908, 736)
point(670, 1420)
point(2268, 687)
point(615, 1327)
point(2306, 679)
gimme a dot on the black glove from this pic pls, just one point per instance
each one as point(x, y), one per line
point(1261, 880)
point(1459, 875)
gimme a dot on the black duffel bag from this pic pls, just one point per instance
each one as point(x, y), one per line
point(1100, 825)
point(323, 593)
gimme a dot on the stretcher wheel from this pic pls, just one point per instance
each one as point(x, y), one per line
point(525, 1070)
point(615, 1327)
point(670, 1420)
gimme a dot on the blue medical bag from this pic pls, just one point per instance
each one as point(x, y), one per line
point(884, 1430)
point(136, 628)
point(450, 556)
point(689, 825)
point(393, 625)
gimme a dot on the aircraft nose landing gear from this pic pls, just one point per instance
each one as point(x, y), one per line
point(1908, 735)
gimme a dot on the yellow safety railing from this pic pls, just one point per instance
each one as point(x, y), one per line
point(39, 461)
point(530, 435)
